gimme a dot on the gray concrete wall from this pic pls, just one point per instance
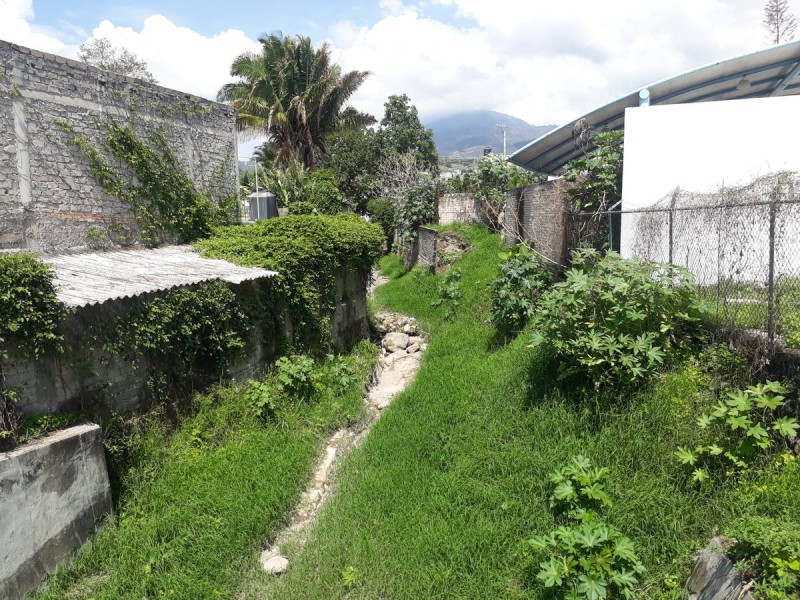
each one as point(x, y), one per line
point(64, 383)
point(53, 492)
point(460, 208)
point(48, 196)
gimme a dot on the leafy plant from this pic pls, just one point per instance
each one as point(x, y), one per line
point(382, 212)
point(449, 293)
point(791, 328)
point(743, 424)
point(589, 560)
point(617, 320)
point(768, 551)
point(597, 176)
point(516, 292)
point(296, 375)
point(337, 374)
point(579, 489)
point(261, 398)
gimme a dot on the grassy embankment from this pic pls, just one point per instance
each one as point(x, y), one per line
point(198, 501)
point(438, 501)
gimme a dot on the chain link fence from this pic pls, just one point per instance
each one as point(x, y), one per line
point(741, 244)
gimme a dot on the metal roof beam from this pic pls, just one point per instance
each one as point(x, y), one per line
point(786, 80)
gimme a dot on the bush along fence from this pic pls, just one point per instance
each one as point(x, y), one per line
point(740, 244)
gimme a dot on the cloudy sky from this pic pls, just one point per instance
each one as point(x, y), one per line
point(545, 62)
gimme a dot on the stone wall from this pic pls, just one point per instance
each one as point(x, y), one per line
point(48, 196)
point(421, 250)
point(539, 214)
point(53, 492)
point(460, 208)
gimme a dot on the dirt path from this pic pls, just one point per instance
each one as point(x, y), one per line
point(401, 354)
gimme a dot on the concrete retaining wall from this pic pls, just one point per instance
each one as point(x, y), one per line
point(53, 492)
point(65, 383)
point(419, 251)
point(49, 199)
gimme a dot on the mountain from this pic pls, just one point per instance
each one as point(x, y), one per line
point(467, 134)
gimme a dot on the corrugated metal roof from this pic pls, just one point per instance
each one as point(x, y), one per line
point(94, 278)
point(770, 72)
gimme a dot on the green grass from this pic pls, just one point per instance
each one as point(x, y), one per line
point(200, 500)
point(452, 479)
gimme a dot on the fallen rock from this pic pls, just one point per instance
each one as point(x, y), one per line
point(389, 359)
point(714, 577)
point(272, 563)
point(413, 348)
point(415, 339)
point(409, 329)
point(395, 341)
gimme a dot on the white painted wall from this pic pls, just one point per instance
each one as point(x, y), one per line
point(698, 147)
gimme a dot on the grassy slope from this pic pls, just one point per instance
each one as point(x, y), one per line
point(202, 498)
point(453, 477)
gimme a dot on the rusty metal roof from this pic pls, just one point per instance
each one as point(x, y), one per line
point(94, 278)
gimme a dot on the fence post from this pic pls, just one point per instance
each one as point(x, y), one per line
point(674, 201)
point(773, 212)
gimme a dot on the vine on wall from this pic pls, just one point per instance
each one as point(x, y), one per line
point(165, 201)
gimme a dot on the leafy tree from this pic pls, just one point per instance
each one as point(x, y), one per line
point(101, 53)
point(779, 21)
point(402, 132)
point(293, 93)
point(353, 155)
point(598, 175)
point(303, 191)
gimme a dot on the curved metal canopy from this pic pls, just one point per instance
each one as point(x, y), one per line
point(770, 72)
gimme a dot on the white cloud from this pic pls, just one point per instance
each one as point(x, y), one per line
point(15, 27)
point(179, 57)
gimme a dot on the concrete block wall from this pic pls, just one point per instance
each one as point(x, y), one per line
point(48, 196)
point(53, 493)
point(460, 208)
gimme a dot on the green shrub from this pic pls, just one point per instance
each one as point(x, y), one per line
point(791, 327)
point(768, 551)
point(617, 320)
point(579, 489)
point(516, 292)
point(306, 251)
point(382, 212)
point(296, 375)
point(741, 425)
point(450, 294)
point(589, 560)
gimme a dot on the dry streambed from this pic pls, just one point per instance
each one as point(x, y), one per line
point(401, 353)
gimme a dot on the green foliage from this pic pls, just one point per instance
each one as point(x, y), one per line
point(791, 328)
point(30, 320)
point(306, 251)
point(768, 551)
point(262, 400)
point(450, 294)
point(164, 199)
point(616, 320)
point(304, 192)
point(590, 560)
point(353, 156)
point(30, 312)
point(184, 335)
point(516, 291)
point(579, 491)
point(741, 426)
point(382, 212)
point(295, 375)
point(402, 132)
point(598, 175)
point(415, 205)
point(294, 94)
point(492, 178)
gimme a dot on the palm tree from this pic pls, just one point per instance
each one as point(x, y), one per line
point(294, 94)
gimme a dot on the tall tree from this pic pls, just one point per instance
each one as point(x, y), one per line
point(101, 53)
point(401, 131)
point(779, 21)
point(294, 94)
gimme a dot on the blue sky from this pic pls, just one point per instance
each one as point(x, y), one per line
point(543, 61)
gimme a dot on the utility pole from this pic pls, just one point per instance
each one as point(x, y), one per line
point(503, 127)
